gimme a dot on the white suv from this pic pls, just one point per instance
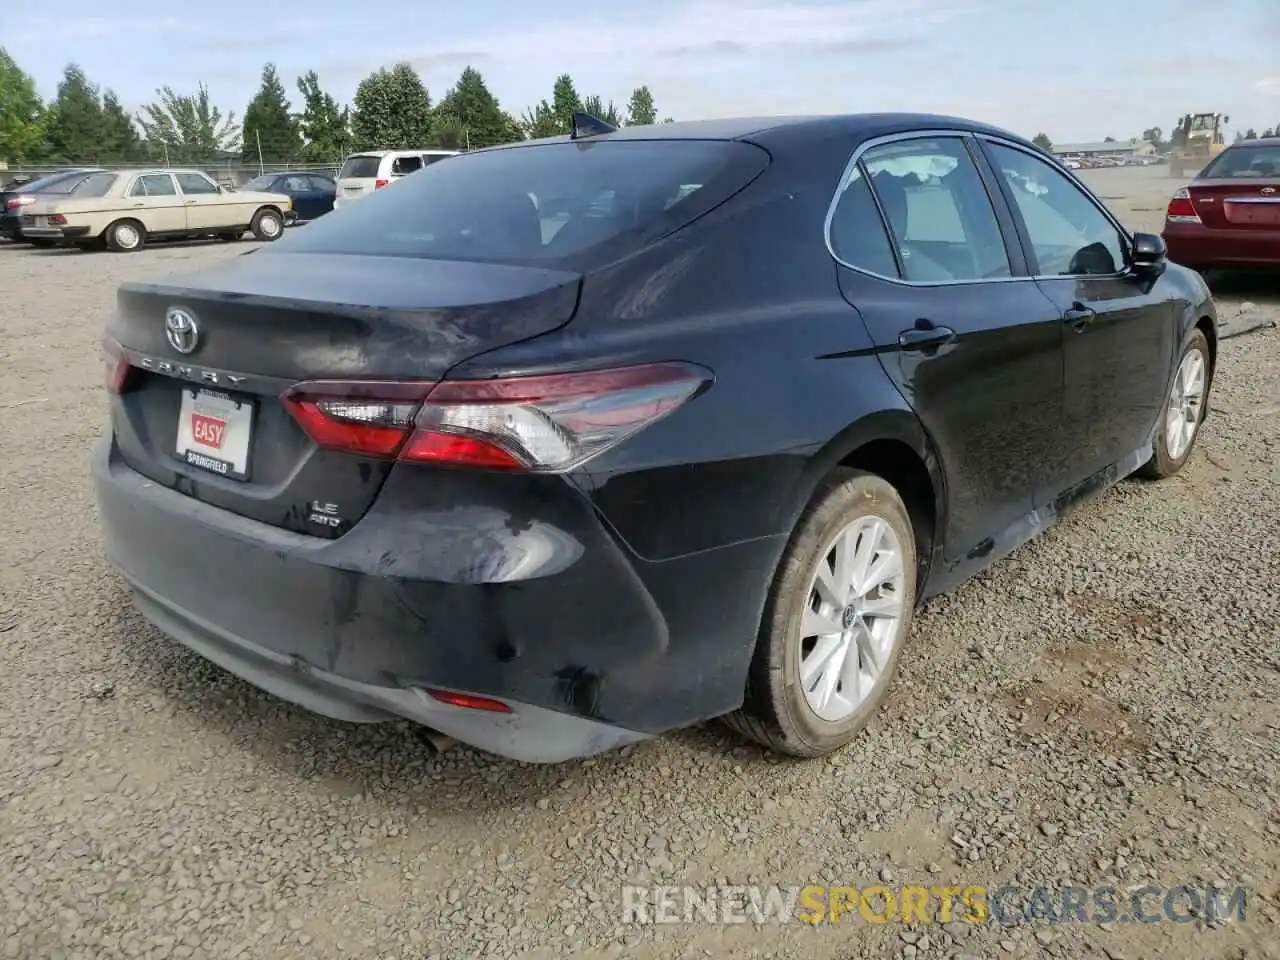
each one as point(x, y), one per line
point(362, 173)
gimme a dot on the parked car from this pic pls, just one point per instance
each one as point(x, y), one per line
point(312, 193)
point(363, 173)
point(561, 445)
point(16, 197)
point(1228, 217)
point(125, 208)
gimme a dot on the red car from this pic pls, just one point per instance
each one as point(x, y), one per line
point(1229, 215)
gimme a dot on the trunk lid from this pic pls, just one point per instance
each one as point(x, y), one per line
point(267, 321)
point(1240, 203)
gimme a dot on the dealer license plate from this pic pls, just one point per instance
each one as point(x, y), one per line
point(214, 431)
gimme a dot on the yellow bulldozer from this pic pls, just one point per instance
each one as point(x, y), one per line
point(1199, 137)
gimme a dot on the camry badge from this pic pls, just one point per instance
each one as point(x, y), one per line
point(180, 330)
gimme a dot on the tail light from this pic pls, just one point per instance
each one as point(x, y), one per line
point(119, 373)
point(469, 701)
point(1181, 209)
point(538, 424)
point(13, 203)
point(379, 184)
point(57, 220)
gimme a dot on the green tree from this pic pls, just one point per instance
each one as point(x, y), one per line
point(602, 111)
point(540, 121)
point(1108, 139)
point(470, 116)
point(325, 127)
point(1042, 141)
point(565, 102)
point(187, 128)
point(1250, 134)
point(120, 140)
point(270, 130)
point(73, 130)
point(1154, 136)
point(392, 110)
point(21, 113)
point(640, 109)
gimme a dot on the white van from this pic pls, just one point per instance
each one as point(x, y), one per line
point(362, 173)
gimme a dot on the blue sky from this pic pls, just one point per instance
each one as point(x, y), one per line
point(1076, 69)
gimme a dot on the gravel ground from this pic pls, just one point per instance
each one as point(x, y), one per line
point(1100, 706)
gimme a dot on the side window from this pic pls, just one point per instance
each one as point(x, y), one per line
point(1069, 235)
point(154, 185)
point(321, 184)
point(296, 184)
point(194, 184)
point(857, 233)
point(402, 165)
point(938, 210)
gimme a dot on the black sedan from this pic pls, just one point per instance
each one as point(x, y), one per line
point(568, 443)
point(312, 193)
point(15, 197)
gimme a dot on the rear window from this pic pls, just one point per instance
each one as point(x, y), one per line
point(260, 183)
point(1242, 161)
point(53, 183)
point(360, 167)
point(547, 204)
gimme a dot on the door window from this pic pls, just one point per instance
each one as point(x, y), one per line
point(857, 233)
point(403, 165)
point(321, 184)
point(938, 210)
point(195, 184)
point(1069, 235)
point(153, 185)
point(297, 184)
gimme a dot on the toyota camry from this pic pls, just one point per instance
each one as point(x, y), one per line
point(561, 445)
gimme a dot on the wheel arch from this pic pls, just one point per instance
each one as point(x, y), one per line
point(892, 444)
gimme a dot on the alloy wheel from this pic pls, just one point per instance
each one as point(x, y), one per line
point(1186, 402)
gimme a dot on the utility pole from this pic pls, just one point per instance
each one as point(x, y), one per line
point(258, 137)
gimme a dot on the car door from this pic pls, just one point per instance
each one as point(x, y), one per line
point(1119, 330)
point(207, 207)
point(322, 193)
point(153, 199)
point(929, 258)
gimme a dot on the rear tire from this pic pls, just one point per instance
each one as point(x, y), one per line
point(230, 236)
point(267, 225)
point(810, 691)
point(1183, 412)
point(125, 236)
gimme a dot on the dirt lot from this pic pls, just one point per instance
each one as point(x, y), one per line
point(1099, 708)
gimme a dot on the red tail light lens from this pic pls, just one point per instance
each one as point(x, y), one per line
point(118, 373)
point(541, 424)
point(1181, 209)
point(57, 220)
point(13, 203)
point(379, 184)
point(468, 701)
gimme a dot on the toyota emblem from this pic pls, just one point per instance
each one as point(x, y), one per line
point(1268, 191)
point(180, 330)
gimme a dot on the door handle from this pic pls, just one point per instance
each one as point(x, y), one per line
point(190, 202)
point(1079, 316)
point(925, 338)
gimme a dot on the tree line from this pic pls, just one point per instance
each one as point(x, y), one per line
point(392, 109)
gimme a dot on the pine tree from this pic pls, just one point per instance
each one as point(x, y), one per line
point(270, 130)
point(392, 110)
point(120, 140)
point(602, 111)
point(565, 102)
point(471, 110)
point(74, 132)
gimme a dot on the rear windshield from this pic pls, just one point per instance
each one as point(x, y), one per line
point(259, 183)
point(49, 183)
point(546, 204)
point(1244, 161)
point(360, 167)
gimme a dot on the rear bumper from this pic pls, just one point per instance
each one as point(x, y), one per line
point(1224, 247)
point(55, 233)
point(590, 648)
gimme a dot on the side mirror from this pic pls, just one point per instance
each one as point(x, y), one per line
point(1150, 257)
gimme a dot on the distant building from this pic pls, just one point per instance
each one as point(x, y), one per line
point(1109, 148)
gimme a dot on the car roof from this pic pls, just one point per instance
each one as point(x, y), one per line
point(398, 153)
point(1256, 142)
point(796, 129)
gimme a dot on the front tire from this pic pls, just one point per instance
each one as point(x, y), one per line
point(125, 236)
point(267, 225)
point(834, 625)
point(1184, 410)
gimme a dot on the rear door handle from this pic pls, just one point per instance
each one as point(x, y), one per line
point(925, 339)
point(1079, 316)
